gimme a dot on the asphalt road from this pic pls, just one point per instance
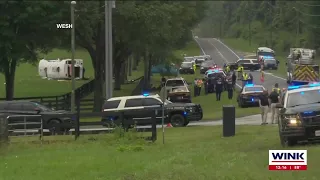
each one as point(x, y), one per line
point(222, 54)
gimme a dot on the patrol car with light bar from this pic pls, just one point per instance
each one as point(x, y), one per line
point(249, 95)
point(299, 118)
point(138, 110)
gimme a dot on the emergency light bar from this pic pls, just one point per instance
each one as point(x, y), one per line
point(310, 85)
point(249, 85)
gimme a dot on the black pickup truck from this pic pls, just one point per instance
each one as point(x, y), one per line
point(299, 118)
point(138, 110)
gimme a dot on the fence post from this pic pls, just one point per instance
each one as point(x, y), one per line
point(25, 125)
point(41, 130)
point(57, 103)
point(4, 133)
point(154, 126)
point(77, 120)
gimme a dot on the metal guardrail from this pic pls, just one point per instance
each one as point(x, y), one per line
point(35, 123)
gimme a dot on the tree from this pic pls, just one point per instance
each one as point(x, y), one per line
point(285, 23)
point(23, 25)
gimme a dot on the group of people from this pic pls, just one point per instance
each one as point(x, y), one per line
point(268, 102)
point(220, 83)
point(245, 77)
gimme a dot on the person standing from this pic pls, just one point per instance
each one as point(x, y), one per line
point(264, 107)
point(234, 80)
point(230, 87)
point(273, 101)
point(195, 87)
point(199, 84)
point(205, 86)
point(245, 78)
point(219, 88)
point(240, 71)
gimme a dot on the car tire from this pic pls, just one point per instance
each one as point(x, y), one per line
point(177, 120)
point(186, 123)
point(286, 141)
point(54, 126)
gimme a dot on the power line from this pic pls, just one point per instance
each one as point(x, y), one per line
point(311, 15)
point(310, 5)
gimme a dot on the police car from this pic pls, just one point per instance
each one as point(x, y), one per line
point(138, 110)
point(249, 95)
point(299, 117)
point(212, 76)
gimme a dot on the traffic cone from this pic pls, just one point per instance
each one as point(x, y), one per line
point(169, 125)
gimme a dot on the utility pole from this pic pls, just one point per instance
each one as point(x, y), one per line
point(108, 48)
point(107, 82)
point(73, 83)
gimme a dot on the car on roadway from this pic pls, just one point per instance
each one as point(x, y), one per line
point(249, 95)
point(299, 118)
point(189, 59)
point(138, 110)
point(249, 64)
point(205, 57)
point(186, 68)
point(233, 66)
point(205, 66)
point(212, 77)
point(199, 61)
point(53, 120)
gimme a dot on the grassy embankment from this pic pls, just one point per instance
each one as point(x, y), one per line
point(198, 154)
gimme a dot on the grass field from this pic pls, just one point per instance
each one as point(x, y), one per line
point(242, 45)
point(29, 84)
point(192, 153)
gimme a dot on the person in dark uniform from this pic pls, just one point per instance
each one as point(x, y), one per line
point(219, 88)
point(234, 79)
point(163, 81)
point(205, 86)
point(195, 87)
point(230, 87)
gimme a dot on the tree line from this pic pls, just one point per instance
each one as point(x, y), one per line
point(142, 30)
point(272, 23)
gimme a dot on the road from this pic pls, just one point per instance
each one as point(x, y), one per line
point(222, 54)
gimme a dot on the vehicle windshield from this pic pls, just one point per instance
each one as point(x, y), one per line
point(303, 98)
point(266, 55)
point(215, 75)
point(43, 107)
point(174, 83)
point(186, 65)
point(253, 89)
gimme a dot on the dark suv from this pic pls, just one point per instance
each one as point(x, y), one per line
point(52, 119)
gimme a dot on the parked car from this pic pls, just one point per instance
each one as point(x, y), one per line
point(53, 120)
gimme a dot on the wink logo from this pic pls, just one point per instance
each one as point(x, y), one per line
point(287, 159)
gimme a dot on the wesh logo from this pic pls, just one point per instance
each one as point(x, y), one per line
point(288, 160)
point(64, 26)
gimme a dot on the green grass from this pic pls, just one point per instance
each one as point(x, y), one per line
point(29, 84)
point(188, 153)
point(241, 45)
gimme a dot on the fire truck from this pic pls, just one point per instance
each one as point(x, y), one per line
point(301, 67)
